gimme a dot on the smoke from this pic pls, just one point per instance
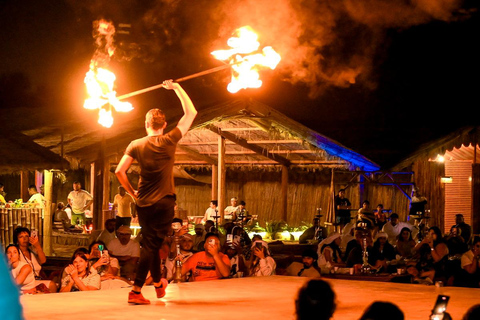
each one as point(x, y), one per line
point(323, 43)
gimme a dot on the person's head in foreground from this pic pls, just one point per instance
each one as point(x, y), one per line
point(381, 310)
point(315, 300)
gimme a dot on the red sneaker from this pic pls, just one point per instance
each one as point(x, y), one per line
point(137, 298)
point(161, 291)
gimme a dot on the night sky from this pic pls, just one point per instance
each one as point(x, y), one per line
point(379, 77)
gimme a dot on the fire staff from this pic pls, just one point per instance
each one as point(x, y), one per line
point(155, 196)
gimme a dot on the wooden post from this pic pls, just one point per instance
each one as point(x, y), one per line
point(214, 182)
point(47, 219)
point(476, 198)
point(221, 176)
point(24, 186)
point(284, 193)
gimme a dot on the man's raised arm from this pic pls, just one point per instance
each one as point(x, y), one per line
point(188, 108)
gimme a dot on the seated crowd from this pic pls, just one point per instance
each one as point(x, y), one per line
point(112, 258)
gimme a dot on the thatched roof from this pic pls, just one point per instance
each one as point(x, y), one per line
point(18, 152)
point(458, 145)
point(256, 136)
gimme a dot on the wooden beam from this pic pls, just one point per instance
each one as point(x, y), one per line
point(242, 142)
point(194, 153)
point(24, 183)
point(284, 193)
point(197, 155)
point(200, 143)
point(215, 182)
point(222, 193)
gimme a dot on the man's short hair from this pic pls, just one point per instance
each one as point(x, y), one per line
point(211, 234)
point(459, 215)
point(310, 253)
point(341, 190)
point(155, 118)
point(177, 220)
point(393, 216)
point(234, 198)
point(380, 205)
point(108, 221)
point(242, 203)
point(32, 186)
point(214, 202)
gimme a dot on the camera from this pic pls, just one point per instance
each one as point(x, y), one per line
point(438, 312)
point(259, 245)
point(34, 233)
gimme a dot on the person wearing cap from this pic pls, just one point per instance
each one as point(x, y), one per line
point(231, 212)
point(261, 263)
point(329, 253)
point(186, 245)
point(306, 268)
point(199, 237)
point(126, 250)
point(393, 228)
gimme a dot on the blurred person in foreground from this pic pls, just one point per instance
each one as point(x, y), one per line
point(380, 310)
point(10, 307)
point(315, 301)
point(155, 196)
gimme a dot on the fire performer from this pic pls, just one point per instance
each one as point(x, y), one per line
point(155, 196)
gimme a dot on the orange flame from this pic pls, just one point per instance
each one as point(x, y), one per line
point(245, 63)
point(100, 84)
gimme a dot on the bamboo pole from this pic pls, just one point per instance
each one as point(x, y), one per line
point(2, 227)
point(10, 224)
point(284, 193)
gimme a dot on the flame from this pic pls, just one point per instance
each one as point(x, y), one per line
point(105, 118)
point(245, 63)
point(100, 84)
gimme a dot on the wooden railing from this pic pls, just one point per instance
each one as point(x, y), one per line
point(11, 218)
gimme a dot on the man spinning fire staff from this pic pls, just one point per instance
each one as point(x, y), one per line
point(155, 196)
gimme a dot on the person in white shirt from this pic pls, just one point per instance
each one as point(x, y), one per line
point(393, 228)
point(211, 212)
point(36, 197)
point(124, 204)
point(127, 251)
point(230, 212)
point(261, 263)
point(80, 200)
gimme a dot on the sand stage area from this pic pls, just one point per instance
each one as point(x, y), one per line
point(246, 298)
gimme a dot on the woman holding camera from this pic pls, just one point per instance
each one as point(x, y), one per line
point(31, 252)
point(106, 266)
point(261, 263)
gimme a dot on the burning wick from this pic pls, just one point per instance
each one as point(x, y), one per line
point(99, 84)
point(245, 63)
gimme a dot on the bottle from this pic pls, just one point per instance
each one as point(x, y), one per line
point(178, 264)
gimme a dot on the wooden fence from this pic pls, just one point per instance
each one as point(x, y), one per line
point(11, 218)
